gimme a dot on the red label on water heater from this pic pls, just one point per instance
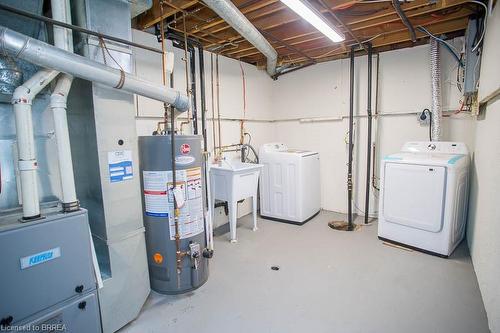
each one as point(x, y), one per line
point(185, 148)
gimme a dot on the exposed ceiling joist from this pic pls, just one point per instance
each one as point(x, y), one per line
point(296, 40)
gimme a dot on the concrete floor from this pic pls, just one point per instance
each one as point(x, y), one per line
point(329, 281)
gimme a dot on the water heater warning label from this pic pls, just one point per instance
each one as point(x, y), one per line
point(120, 165)
point(159, 199)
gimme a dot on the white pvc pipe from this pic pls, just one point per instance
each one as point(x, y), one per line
point(58, 103)
point(22, 100)
point(39, 53)
point(61, 11)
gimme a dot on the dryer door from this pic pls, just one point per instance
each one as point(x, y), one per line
point(414, 195)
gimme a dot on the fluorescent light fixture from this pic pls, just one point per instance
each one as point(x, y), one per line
point(311, 15)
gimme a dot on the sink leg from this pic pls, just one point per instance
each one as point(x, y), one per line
point(233, 211)
point(254, 212)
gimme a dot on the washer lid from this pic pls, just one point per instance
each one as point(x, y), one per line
point(302, 153)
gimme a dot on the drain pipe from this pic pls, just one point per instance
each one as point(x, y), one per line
point(436, 91)
point(42, 54)
point(63, 39)
point(22, 99)
point(350, 225)
point(369, 134)
point(229, 13)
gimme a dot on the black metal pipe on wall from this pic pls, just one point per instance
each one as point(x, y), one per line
point(369, 134)
point(178, 41)
point(201, 60)
point(351, 126)
point(192, 43)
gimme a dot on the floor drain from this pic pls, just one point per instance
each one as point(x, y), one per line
point(275, 268)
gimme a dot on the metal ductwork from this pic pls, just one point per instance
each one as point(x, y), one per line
point(229, 13)
point(39, 53)
point(436, 110)
point(138, 7)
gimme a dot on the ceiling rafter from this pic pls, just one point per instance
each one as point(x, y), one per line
point(295, 40)
point(315, 35)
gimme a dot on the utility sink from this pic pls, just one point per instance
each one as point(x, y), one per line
point(233, 181)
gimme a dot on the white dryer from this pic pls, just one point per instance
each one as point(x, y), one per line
point(424, 195)
point(289, 184)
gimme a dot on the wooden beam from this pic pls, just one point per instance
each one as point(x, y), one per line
point(282, 15)
point(379, 20)
point(443, 27)
point(246, 10)
point(154, 14)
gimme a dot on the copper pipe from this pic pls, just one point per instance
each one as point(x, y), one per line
point(218, 100)
point(188, 13)
point(242, 122)
point(163, 71)
point(188, 91)
point(213, 101)
point(163, 53)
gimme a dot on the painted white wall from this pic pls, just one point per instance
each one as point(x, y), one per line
point(319, 91)
point(483, 233)
point(258, 97)
point(323, 91)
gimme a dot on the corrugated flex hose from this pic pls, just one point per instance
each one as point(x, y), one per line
point(436, 109)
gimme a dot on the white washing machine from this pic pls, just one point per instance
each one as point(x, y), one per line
point(423, 196)
point(289, 184)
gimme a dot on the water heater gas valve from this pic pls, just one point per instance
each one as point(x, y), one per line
point(195, 254)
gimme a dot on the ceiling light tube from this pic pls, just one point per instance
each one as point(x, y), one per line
point(314, 17)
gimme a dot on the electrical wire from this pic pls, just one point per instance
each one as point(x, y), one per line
point(460, 109)
point(474, 48)
point(450, 47)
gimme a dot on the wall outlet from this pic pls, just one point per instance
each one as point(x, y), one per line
point(424, 118)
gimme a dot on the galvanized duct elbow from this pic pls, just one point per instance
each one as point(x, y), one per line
point(42, 54)
point(228, 11)
point(11, 77)
point(436, 90)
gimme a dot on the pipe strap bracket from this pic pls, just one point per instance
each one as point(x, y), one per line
point(28, 165)
point(121, 82)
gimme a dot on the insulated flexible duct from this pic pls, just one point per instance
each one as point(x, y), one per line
point(436, 91)
point(10, 78)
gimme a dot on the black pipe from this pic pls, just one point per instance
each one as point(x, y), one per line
point(350, 225)
point(369, 139)
point(175, 36)
point(178, 41)
point(404, 19)
point(192, 68)
point(201, 60)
